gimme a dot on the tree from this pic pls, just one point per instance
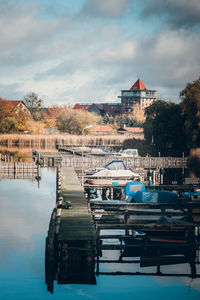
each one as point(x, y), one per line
point(35, 127)
point(12, 120)
point(127, 120)
point(138, 114)
point(151, 114)
point(164, 127)
point(5, 115)
point(190, 105)
point(34, 105)
point(9, 125)
point(51, 116)
point(22, 118)
point(5, 109)
point(107, 119)
point(73, 121)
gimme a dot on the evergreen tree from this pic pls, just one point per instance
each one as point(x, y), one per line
point(191, 111)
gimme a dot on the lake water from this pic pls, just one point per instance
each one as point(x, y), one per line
point(25, 211)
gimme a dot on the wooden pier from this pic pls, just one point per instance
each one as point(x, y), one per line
point(56, 158)
point(76, 222)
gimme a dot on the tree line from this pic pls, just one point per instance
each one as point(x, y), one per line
point(175, 127)
point(168, 126)
point(57, 118)
point(39, 119)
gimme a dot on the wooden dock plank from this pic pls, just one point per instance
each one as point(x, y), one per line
point(76, 223)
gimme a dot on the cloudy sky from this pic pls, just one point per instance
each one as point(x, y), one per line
point(69, 51)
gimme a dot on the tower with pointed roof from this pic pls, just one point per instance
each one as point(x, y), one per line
point(138, 93)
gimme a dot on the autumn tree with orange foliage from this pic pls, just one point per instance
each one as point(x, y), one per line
point(51, 115)
point(5, 109)
point(73, 121)
point(138, 114)
point(22, 118)
point(10, 120)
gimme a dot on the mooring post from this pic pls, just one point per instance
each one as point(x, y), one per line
point(158, 264)
point(126, 218)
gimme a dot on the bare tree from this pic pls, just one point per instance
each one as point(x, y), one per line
point(34, 104)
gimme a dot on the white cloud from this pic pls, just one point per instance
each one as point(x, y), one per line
point(23, 32)
point(125, 51)
point(170, 59)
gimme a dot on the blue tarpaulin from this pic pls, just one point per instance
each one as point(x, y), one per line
point(155, 197)
point(132, 187)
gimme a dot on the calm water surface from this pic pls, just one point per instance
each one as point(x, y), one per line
point(25, 211)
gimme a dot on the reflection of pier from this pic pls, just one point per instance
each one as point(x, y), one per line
point(19, 170)
point(148, 235)
point(70, 245)
point(160, 246)
point(78, 234)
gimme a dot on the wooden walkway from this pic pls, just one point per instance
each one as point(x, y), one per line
point(76, 222)
point(56, 158)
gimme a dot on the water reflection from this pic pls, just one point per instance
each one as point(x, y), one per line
point(24, 218)
point(68, 264)
point(67, 261)
point(15, 155)
point(23, 208)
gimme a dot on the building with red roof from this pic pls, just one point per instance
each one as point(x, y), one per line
point(17, 105)
point(82, 106)
point(103, 129)
point(136, 132)
point(138, 93)
point(138, 85)
point(101, 109)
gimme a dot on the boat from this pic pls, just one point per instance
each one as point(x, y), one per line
point(136, 193)
point(79, 150)
point(192, 196)
point(108, 181)
point(113, 173)
point(98, 152)
point(127, 153)
point(87, 151)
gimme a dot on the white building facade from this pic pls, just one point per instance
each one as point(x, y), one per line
point(138, 93)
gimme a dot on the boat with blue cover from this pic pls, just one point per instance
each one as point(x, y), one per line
point(136, 192)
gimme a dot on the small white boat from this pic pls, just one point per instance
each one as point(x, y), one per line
point(120, 182)
point(99, 152)
point(115, 173)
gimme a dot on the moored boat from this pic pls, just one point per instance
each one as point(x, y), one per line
point(114, 173)
point(107, 181)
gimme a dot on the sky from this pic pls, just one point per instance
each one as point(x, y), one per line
point(85, 51)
